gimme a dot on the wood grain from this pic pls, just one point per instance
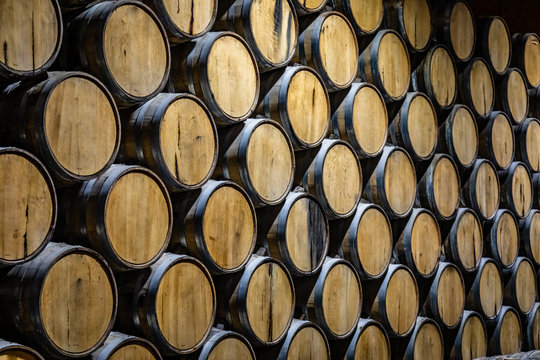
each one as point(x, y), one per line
point(465, 136)
point(367, 14)
point(462, 32)
point(473, 339)
point(531, 60)
point(522, 190)
point(499, 45)
point(191, 17)
point(394, 65)
point(446, 187)
point(422, 126)
point(491, 289)
point(308, 343)
point(469, 240)
point(372, 344)
point(132, 351)
point(400, 182)
point(230, 348)
point(450, 296)
point(502, 140)
point(401, 301)
point(428, 343)
point(425, 243)
point(532, 145)
point(516, 90)
point(510, 333)
point(487, 190)
point(507, 239)
point(417, 22)
point(525, 286)
point(443, 77)
point(481, 88)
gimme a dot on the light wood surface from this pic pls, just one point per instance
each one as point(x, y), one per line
point(341, 299)
point(443, 76)
point(487, 190)
point(372, 344)
point(450, 296)
point(469, 241)
point(342, 180)
point(17, 355)
point(132, 352)
point(26, 207)
point(531, 60)
point(536, 329)
point(311, 4)
point(401, 301)
point(499, 45)
point(270, 162)
point(502, 140)
point(134, 45)
point(394, 65)
point(29, 32)
point(425, 243)
point(185, 301)
point(446, 187)
point(510, 333)
point(422, 126)
point(522, 190)
point(81, 126)
point(230, 66)
point(491, 289)
point(188, 141)
point(525, 286)
point(465, 136)
point(308, 343)
point(473, 339)
point(517, 95)
point(428, 343)
point(77, 302)
point(532, 145)
point(230, 348)
point(228, 227)
point(269, 301)
point(534, 237)
point(191, 17)
point(137, 218)
point(374, 241)
point(370, 120)
point(507, 239)
point(481, 88)
point(400, 182)
point(417, 22)
point(462, 32)
point(367, 13)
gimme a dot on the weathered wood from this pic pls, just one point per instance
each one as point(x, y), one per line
point(477, 87)
point(304, 340)
point(304, 7)
point(528, 143)
point(502, 238)
point(530, 236)
point(366, 16)
point(14, 351)
point(224, 344)
point(412, 20)
point(426, 341)
point(507, 336)
point(525, 56)
point(532, 328)
point(512, 96)
point(520, 289)
point(370, 341)
point(120, 346)
point(497, 141)
point(486, 293)
point(458, 136)
point(481, 191)
point(494, 42)
point(471, 339)
point(465, 243)
point(517, 190)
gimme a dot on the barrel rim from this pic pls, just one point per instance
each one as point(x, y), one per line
point(472, 180)
point(346, 8)
point(525, 238)
point(214, 338)
point(487, 134)
point(483, 27)
point(446, 36)
point(522, 130)
point(457, 346)
point(452, 239)
point(8, 345)
point(473, 297)
point(503, 93)
point(494, 346)
point(294, 329)
point(363, 324)
point(492, 238)
point(419, 323)
point(432, 201)
point(433, 300)
point(464, 81)
point(118, 340)
point(511, 296)
point(425, 68)
point(530, 324)
point(518, 50)
point(302, 10)
point(508, 189)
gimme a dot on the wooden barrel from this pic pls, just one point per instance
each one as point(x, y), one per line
point(185, 20)
point(299, 101)
point(393, 183)
point(517, 190)
point(497, 141)
point(446, 298)
point(419, 246)
point(477, 88)
point(426, 341)
point(14, 351)
point(396, 304)
point(507, 335)
point(511, 95)
point(534, 102)
point(175, 136)
point(269, 27)
point(125, 215)
point(69, 120)
point(261, 304)
point(224, 344)
point(172, 303)
point(336, 300)
point(471, 339)
point(412, 20)
point(259, 156)
point(494, 42)
point(299, 235)
point(486, 293)
point(481, 191)
point(120, 346)
point(465, 243)
point(530, 237)
point(210, 67)
point(532, 328)
point(62, 303)
point(23, 25)
point(304, 7)
point(525, 54)
point(454, 26)
point(458, 136)
point(439, 188)
point(370, 341)
point(368, 241)
point(28, 211)
point(436, 76)
point(329, 46)
point(217, 225)
point(528, 143)
point(415, 127)
point(385, 63)
point(304, 340)
point(335, 178)
point(502, 238)
point(520, 289)
point(362, 120)
point(118, 41)
point(366, 16)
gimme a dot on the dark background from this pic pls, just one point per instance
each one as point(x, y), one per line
point(521, 15)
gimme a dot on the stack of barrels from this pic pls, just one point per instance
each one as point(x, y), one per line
point(271, 179)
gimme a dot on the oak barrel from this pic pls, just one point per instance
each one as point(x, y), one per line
point(497, 141)
point(481, 191)
point(120, 346)
point(464, 244)
point(506, 337)
point(426, 341)
point(172, 303)
point(525, 56)
point(477, 87)
point(29, 206)
point(175, 136)
point(511, 95)
point(304, 340)
point(117, 41)
point(502, 238)
point(517, 190)
point(486, 293)
point(528, 143)
point(532, 328)
point(62, 303)
point(366, 16)
point(471, 339)
point(458, 136)
point(69, 120)
point(13, 351)
point(125, 215)
point(520, 290)
point(305, 7)
point(224, 344)
point(370, 341)
point(362, 120)
point(494, 42)
point(412, 20)
point(530, 237)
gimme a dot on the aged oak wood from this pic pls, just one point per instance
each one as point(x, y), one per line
point(517, 190)
point(412, 20)
point(304, 340)
point(494, 42)
point(224, 344)
point(458, 136)
point(477, 87)
point(305, 7)
point(532, 327)
point(502, 238)
point(507, 336)
point(455, 27)
point(370, 341)
point(471, 339)
point(13, 351)
point(525, 56)
point(481, 191)
point(366, 16)
point(520, 290)
point(486, 293)
point(465, 243)
point(426, 341)
point(530, 236)
point(512, 96)
point(496, 141)
point(120, 346)
point(528, 143)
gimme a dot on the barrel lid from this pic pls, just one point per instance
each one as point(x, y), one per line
point(484, 188)
point(462, 30)
point(525, 284)
point(416, 17)
point(442, 76)
point(309, 6)
point(449, 290)
point(502, 139)
point(121, 346)
point(365, 15)
point(530, 236)
point(426, 341)
point(520, 190)
point(445, 185)
point(226, 344)
point(531, 53)
point(304, 339)
point(478, 87)
point(471, 341)
point(514, 95)
point(16, 351)
point(462, 135)
point(504, 238)
point(490, 288)
point(533, 326)
point(186, 19)
point(508, 330)
point(422, 242)
point(370, 340)
point(499, 45)
point(469, 242)
point(393, 63)
point(529, 142)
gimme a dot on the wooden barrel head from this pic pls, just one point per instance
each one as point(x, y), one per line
point(428, 342)
point(270, 162)
point(491, 289)
point(462, 31)
point(230, 348)
point(515, 98)
point(188, 141)
point(308, 343)
point(507, 237)
point(138, 218)
point(400, 182)
point(133, 351)
point(469, 240)
point(532, 145)
point(394, 65)
point(450, 296)
point(478, 87)
point(14, 351)
point(185, 296)
point(525, 286)
point(446, 187)
point(28, 212)
point(531, 62)
point(521, 190)
point(533, 237)
point(502, 141)
point(533, 327)
point(229, 227)
point(372, 343)
point(499, 45)
point(78, 302)
point(269, 302)
point(401, 301)
point(367, 15)
point(81, 125)
point(186, 18)
point(22, 26)
point(425, 243)
point(510, 333)
point(308, 6)
point(134, 44)
point(422, 126)
point(417, 23)
point(473, 338)
point(487, 190)
point(443, 77)
point(464, 136)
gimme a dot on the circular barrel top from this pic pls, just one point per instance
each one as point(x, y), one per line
point(185, 295)
point(469, 240)
point(450, 296)
point(401, 301)
point(533, 236)
point(393, 64)
point(367, 15)
point(232, 348)
point(521, 190)
point(446, 186)
point(531, 55)
point(473, 337)
point(462, 31)
point(188, 141)
point(507, 237)
point(533, 326)
point(510, 332)
point(270, 162)
point(532, 145)
point(464, 135)
point(425, 243)
point(28, 212)
point(371, 343)
point(417, 23)
point(309, 6)
point(23, 25)
point(138, 216)
point(491, 289)
point(229, 227)
point(428, 342)
point(502, 140)
point(135, 44)
point(400, 181)
point(308, 343)
point(499, 45)
point(479, 87)
point(269, 301)
point(133, 351)
point(525, 285)
point(515, 94)
point(14, 351)
point(442, 76)
point(77, 301)
point(81, 124)
point(187, 18)
point(486, 188)
point(422, 125)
